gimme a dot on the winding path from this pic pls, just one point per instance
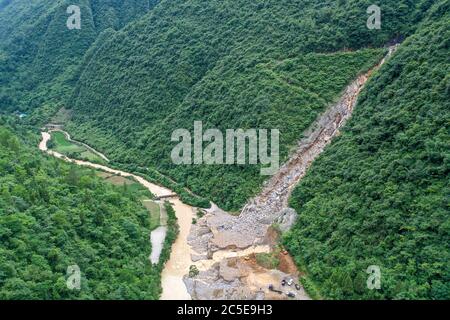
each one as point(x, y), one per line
point(180, 257)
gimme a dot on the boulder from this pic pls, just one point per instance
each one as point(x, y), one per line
point(286, 219)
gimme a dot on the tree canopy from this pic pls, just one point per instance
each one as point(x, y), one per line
point(55, 215)
point(379, 195)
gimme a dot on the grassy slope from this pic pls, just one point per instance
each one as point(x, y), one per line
point(210, 61)
point(379, 193)
point(154, 212)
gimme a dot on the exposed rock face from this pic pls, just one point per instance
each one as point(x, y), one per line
point(260, 212)
point(220, 282)
point(219, 230)
point(286, 219)
point(238, 279)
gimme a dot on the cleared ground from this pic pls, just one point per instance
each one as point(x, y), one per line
point(61, 144)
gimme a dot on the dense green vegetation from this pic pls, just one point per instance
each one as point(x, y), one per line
point(230, 64)
point(155, 213)
point(379, 195)
point(61, 144)
point(268, 260)
point(40, 57)
point(54, 215)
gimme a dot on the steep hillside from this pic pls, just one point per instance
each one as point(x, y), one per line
point(379, 194)
point(39, 54)
point(54, 215)
point(230, 64)
point(137, 70)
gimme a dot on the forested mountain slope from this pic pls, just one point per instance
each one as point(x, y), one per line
point(137, 70)
point(39, 55)
point(379, 195)
point(54, 215)
point(231, 64)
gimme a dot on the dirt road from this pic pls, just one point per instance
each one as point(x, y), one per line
point(180, 258)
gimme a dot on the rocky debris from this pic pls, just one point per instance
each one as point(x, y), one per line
point(286, 219)
point(260, 212)
point(239, 279)
point(210, 285)
point(218, 230)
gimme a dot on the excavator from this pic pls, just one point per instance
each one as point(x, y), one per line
point(272, 288)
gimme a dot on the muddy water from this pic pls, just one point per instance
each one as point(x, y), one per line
point(180, 258)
